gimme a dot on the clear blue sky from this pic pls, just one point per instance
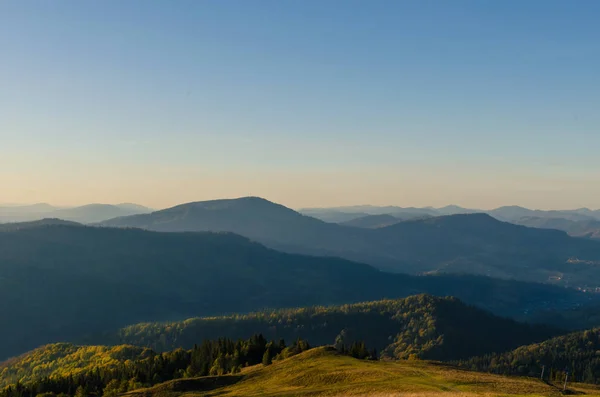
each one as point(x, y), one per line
point(308, 103)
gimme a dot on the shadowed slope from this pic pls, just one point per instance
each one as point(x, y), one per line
point(64, 282)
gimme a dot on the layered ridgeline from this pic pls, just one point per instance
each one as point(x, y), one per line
point(372, 221)
point(85, 214)
point(347, 214)
point(578, 353)
point(422, 326)
point(510, 213)
point(588, 228)
point(579, 223)
point(65, 282)
point(462, 243)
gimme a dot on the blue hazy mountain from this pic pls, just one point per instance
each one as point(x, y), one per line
point(463, 243)
point(90, 213)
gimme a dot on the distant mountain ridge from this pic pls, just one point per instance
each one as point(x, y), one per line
point(90, 213)
point(586, 228)
point(345, 214)
point(35, 208)
point(514, 213)
point(463, 243)
point(36, 224)
point(509, 213)
point(581, 222)
point(372, 221)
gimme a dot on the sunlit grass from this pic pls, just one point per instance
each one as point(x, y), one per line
point(322, 372)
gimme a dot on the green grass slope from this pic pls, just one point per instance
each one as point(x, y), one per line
point(323, 372)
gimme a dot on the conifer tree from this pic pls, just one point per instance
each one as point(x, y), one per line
point(267, 359)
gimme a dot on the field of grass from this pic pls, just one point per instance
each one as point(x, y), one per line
point(323, 372)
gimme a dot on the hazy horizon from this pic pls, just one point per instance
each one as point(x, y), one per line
point(309, 104)
point(2, 204)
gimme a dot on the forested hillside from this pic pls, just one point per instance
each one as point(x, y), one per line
point(461, 243)
point(577, 353)
point(65, 359)
point(420, 326)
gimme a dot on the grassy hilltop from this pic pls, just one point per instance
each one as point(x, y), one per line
point(323, 372)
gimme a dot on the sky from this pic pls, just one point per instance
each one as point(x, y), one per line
point(306, 103)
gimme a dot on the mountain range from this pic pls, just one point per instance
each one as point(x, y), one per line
point(472, 243)
point(61, 281)
point(582, 222)
point(90, 213)
point(505, 213)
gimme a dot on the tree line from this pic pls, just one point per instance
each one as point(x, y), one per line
point(577, 354)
